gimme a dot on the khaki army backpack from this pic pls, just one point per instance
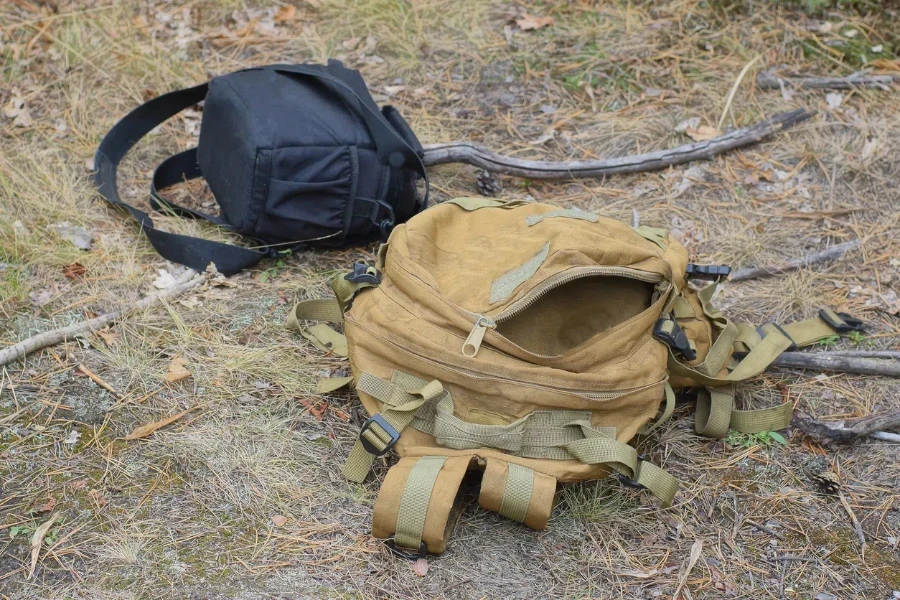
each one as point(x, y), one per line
point(531, 343)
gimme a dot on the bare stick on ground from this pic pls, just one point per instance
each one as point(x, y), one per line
point(99, 381)
point(857, 527)
point(827, 255)
point(479, 156)
point(839, 363)
point(188, 281)
point(845, 431)
point(769, 81)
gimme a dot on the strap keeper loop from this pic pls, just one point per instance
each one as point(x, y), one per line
point(762, 330)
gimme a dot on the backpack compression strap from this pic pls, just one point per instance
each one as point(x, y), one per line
point(194, 252)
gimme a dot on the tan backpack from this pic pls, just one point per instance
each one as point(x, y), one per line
point(531, 343)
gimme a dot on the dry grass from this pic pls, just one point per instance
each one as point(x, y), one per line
point(187, 512)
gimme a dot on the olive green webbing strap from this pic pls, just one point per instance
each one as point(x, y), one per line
point(557, 435)
point(668, 409)
point(399, 408)
point(802, 333)
point(517, 495)
point(328, 309)
point(415, 499)
point(754, 363)
point(321, 309)
point(715, 414)
point(661, 484)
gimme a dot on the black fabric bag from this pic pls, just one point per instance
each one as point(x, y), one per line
point(295, 155)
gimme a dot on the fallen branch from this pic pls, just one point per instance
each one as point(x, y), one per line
point(839, 363)
point(864, 353)
point(188, 281)
point(827, 255)
point(479, 156)
point(845, 431)
point(769, 81)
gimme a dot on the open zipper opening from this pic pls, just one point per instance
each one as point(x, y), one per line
point(469, 373)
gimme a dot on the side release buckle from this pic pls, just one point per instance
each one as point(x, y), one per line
point(386, 427)
point(710, 272)
point(841, 322)
point(363, 273)
point(672, 335)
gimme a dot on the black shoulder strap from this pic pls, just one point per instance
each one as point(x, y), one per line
point(194, 252)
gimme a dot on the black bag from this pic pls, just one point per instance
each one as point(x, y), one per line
point(295, 155)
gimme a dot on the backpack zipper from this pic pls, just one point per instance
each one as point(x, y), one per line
point(476, 375)
point(483, 323)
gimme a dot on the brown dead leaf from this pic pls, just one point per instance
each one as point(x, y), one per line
point(177, 370)
point(420, 567)
point(145, 430)
point(529, 22)
point(702, 133)
point(37, 541)
point(285, 14)
point(98, 497)
point(74, 271)
point(78, 484)
point(696, 550)
point(109, 337)
point(279, 520)
point(885, 64)
point(46, 506)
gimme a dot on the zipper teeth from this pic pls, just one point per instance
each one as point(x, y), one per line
point(545, 286)
point(476, 375)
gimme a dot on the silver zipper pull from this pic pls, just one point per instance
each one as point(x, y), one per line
point(473, 342)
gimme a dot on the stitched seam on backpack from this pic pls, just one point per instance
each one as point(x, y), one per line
point(503, 286)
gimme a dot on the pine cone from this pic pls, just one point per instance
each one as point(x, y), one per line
point(820, 473)
point(488, 184)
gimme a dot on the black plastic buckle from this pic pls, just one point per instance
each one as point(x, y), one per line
point(711, 272)
point(628, 481)
point(361, 274)
point(407, 554)
point(676, 339)
point(761, 330)
point(388, 429)
point(847, 323)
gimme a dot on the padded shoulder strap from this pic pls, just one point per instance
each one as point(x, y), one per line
point(194, 252)
point(517, 492)
point(414, 504)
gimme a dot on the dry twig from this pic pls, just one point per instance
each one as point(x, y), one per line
point(857, 527)
point(188, 281)
point(769, 81)
point(827, 255)
point(96, 379)
point(839, 363)
point(479, 156)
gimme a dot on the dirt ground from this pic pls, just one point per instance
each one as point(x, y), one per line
point(187, 512)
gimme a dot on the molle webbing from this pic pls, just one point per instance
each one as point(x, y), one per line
point(553, 435)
